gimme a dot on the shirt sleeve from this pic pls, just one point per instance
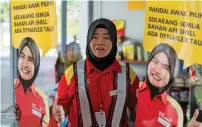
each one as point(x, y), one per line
point(46, 117)
point(134, 85)
point(66, 89)
point(65, 93)
point(178, 110)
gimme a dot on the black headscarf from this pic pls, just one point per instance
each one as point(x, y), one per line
point(36, 55)
point(174, 67)
point(105, 62)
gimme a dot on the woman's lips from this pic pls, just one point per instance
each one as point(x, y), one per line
point(156, 77)
point(25, 71)
point(100, 48)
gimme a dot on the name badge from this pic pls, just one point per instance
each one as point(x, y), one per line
point(115, 92)
point(100, 118)
point(37, 113)
point(164, 122)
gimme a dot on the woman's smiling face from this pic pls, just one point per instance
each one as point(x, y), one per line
point(159, 70)
point(26, 64)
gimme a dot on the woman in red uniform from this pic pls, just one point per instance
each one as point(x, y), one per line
point(31, 102)
point(97, 91)
point(155, 108)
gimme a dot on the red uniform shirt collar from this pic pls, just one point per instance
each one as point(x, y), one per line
point(31, 88)
point(115, 66)
point(163, 96)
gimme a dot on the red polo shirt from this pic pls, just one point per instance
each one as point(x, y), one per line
point(32, 104)
point(99, 84)
point(161, 111)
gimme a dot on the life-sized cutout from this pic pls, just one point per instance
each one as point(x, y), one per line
point(31, 102)
point(155, 107)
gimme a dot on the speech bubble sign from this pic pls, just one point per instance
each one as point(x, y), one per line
point(35, 19)
point(177, 23)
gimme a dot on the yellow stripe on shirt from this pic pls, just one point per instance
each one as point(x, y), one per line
point(140, 84)
point(46, 117)
point(69, 73)
point(132, 75)
point(179, 111)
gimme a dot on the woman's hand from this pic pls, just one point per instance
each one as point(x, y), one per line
point(193, 122)
point(17, 112)
point(59, 113)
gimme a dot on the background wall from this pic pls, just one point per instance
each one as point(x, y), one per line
point(134, 20)
point(84, 24)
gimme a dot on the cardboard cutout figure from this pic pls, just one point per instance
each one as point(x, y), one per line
point(155, 107)
point(31, 102)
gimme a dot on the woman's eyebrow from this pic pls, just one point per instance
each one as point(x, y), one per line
point(162, 63)
point(101, 34)
point(166, 65)
point(156, 59)
point(30, 57)
point(22, 53)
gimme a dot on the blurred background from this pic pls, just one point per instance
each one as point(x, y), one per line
point(73, 20)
